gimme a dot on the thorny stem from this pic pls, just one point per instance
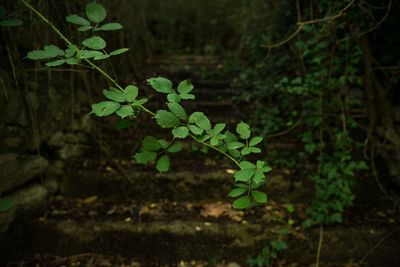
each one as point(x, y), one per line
point(109, 78)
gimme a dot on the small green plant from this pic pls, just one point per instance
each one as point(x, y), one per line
point(124, 101)
point(5, 204)
point(7, 19)
point(269, 254)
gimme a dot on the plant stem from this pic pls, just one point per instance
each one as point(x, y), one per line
point(91, 64)
point(216, 149)
point(109, 78)
point(321, 238)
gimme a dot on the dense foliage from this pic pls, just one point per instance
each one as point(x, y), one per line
point(312, 83)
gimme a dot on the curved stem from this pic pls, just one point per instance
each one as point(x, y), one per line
point(110, 79)
point(216, 149)
point(91, 64)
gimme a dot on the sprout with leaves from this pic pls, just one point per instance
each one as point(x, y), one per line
point(124, 101)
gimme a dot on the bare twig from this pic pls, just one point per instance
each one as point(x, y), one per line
point(379, 243)
point(300, 24)
point(378, 24)
point(321, 239)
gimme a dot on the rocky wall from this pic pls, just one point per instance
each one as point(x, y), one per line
point(40, 132)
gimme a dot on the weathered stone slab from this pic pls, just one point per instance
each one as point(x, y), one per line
point(16, 170)
point(25, 202)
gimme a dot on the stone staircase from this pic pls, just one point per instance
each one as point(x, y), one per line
point(164, 219)
point(109, 206)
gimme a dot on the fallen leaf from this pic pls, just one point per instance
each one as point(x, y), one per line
point(89, 200)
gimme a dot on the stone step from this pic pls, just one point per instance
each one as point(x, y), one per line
point(152, 243)
point(146, 184)
point(203, 179)
point(167, 240)
point(153, 232)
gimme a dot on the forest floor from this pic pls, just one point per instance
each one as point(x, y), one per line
point(111, 212)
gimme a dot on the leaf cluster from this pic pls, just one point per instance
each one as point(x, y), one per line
point(92, 47)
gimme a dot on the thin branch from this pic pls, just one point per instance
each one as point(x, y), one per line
point(341, 13)
point(113, 81)
point(377, 25)
point(286, 131)
point(321, 239)
point(91, 64)
point(379, 243)
point(216, 149)
point(300, 24)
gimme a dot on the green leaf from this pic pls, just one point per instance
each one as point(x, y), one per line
point(88, 54)
point(235, 153)
point(119, 51)
point(123, 124)
point(145, 156)
point(105, 108)
point(243, 129)
point(85, 28)
point(139, 102)
point(245, 151)
point(279, 245)
point(241, 185)
point(163, 164)
point(255, 140)
point(175, 148)
point(109, 27)
point(95, 12)
point(100, 57)
point(164, 143)
point(114, 94)
point(161, 85)
point(173, 98)
point(196, 130)
point(78, 20)
point(185, 87)
point(214, 141)
point(237, 192)
point(259, 196)
point(258, 177)
point(5, 204)
point(200, 120)
point(187, 96)
point(180, 132)
point(130, 93)
point(49, 51)
point(95, 42)
point(11, 22)
point(70, 51)
point(266, 169)
point(260, 164)
point(219, 127)
point(230, 137)
point(241, 203)
point(255, 150)
point(246, 165)
point(151, 143)
point(73, 61)
point(125, 111)
point(178, 110)
point(235, 145)
point(166, 119)
point(244, 175)
point(55, 63)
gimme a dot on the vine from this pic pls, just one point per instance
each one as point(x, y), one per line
point(124, 102)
